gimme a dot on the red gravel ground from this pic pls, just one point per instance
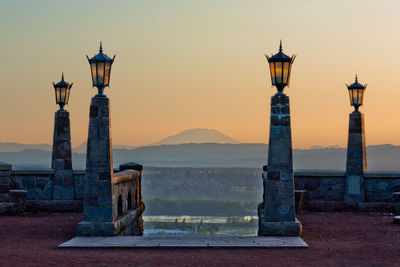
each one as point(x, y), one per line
point(335, 239)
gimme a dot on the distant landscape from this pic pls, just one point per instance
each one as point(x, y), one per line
point(203, 148)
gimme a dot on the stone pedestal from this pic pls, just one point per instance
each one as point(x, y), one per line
point(61, 158)
point(97, 201)
point(356, 163)
point(110, 205)
point(5, 170)
point(277, 213)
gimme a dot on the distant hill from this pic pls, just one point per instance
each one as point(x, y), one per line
point(379, 157)
point(197, 136)
point(82, 147)
point(16, 147)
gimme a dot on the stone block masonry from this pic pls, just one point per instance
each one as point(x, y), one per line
point(277, 212)
point(110, 205)
point(61, 157)
point(356, 163)
point(5, 170)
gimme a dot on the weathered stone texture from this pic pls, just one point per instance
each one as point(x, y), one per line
point(61, 162)
point(107, 207)
point(356, 163)
point(5, 181)
point(277, 213)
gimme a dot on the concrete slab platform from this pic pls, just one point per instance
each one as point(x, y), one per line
point(181, 242)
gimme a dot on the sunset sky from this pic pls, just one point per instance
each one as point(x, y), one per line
point(200, 64)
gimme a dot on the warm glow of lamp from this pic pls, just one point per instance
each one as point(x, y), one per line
point(356, 93)
point(280, 66)
point(62, 90)
point(100, 66)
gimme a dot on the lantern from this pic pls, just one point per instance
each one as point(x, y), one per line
point(280, 67)
point(100, 66)
point(62, 90)
point(356, 93)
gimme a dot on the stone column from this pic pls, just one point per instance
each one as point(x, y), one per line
point(356, 163)
point(97, 202)
point(61, 158)
point(277, 213)
point(5, 171)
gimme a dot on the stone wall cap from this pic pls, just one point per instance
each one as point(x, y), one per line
point(32, 171)
point(5, 166)
point(382, 174)
point(319, 173)
point(131, 166)
point(125, 176)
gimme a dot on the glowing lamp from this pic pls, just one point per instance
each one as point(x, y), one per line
point(62, 90)
point(280, 66)
point(356, 93)
point(100, 66)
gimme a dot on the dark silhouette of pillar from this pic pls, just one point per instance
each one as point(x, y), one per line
point(356, 163)
point(61, 157)
point(277, 213)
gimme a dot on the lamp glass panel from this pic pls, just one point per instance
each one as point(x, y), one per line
point(351, 96)
point(57, 90)
point(278, 72)
point(360, 96)
point(285, 72)
point(67, 94)
point(94, 73)
point(272, 69)
point(290, 69)
point(107, 73)
point(100, 73)
point(62, 95)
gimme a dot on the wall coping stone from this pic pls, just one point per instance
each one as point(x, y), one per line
point(5, 166)
point(383, 174)
point(319, 173)
point(125, 176)
point(31, 171)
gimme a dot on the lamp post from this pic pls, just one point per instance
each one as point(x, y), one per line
point(356, 163)
point(98, 202)
point(61, 156)
point(277, 212)
point(100, 67)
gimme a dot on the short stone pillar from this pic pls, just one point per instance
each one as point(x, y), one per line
point(277, 213)
point(61, 157)
point(5, 171)
point(109, 204)
point(356, 163)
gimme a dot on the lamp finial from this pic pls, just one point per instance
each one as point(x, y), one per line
point(280, 46)
point(62, 76)
point(356, 78)
point(101, 48)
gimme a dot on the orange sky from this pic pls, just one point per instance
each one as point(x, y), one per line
point(200, 64)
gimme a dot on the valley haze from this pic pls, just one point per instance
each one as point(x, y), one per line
point(203, 148)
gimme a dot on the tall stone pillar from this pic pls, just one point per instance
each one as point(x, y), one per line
point(356, 163)
point(97, 206)
point(277, 213)
point(61, 157)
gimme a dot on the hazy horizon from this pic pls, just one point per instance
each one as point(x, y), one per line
point(200, 64)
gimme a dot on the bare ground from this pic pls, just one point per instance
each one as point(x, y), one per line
point(335, 239)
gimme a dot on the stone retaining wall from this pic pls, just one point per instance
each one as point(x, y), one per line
point(325, 189)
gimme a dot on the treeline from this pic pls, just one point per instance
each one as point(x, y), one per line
point(243, 184)
point(198, 207)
